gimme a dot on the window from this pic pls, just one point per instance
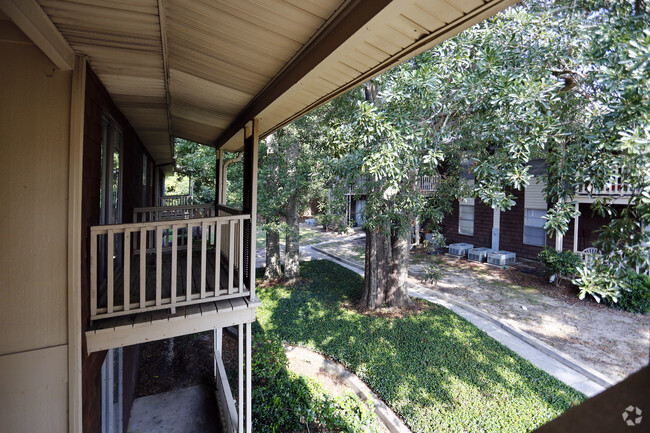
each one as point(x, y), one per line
point(534, 233)
point(466, 217)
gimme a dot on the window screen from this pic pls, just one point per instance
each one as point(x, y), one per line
point(534, 233)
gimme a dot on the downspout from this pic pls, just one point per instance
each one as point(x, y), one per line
point(224, 178)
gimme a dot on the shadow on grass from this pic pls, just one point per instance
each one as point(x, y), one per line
point(438, 371)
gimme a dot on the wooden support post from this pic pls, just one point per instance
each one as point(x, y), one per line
point(249, 386)
point(575, 229)
point(240, 378)
point(250, 201)
point(218, 181)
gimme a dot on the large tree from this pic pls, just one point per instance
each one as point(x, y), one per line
point(564, 81)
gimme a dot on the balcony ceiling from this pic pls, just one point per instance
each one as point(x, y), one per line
point(201, 69)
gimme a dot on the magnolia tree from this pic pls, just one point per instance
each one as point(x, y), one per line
point(561, 81)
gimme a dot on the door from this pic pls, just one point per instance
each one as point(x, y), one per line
point(110, 195)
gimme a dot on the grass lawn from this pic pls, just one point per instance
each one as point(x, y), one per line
point(435, 369)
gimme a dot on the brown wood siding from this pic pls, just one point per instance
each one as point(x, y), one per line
point(98, 102)
point(482, 226)
point(511, 233)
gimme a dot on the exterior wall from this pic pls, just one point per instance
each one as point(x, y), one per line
point(98, 103)
point(34, 135)
point(511, 233)
point(482, 226)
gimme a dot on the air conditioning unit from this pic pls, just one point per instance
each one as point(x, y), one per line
point(501, 258)
point(460, 249)
point(479, 254)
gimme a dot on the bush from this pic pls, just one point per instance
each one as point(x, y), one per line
point(332, 222)
point(564, 263)
point(635, 294)
point(286, 402)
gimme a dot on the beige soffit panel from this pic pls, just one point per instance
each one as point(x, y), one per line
point(123, 43)
point(397, 32)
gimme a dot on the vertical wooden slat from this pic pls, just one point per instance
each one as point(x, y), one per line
point(109, 282)
point(159, 239)
point(127, 270)
point(240, 258)
point(240, 388)
point(143, 267)
point(174, 263)
point(217, 258)
point(93, 273)
point(204, 247)
point(231, 255)
point(188, 289)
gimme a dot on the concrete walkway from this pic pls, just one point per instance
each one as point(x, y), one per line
point(186, 410)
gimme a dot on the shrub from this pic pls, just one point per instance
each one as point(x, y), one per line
point(286, 402)
point(332, 222)
point(561, 263)
point(635, 294)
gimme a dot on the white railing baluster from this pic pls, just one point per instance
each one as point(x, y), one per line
point(217, 258)
point(143, 267)
point(174, 263)
point(127, 270)
point(231, 254)
point(110, 256)
point(188, 284)
point(240, 257)
point(204, 248)
point(159, 239)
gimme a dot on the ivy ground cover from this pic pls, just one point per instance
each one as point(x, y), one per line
point(432, 367)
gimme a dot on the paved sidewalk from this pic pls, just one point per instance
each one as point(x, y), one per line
point(540, 354)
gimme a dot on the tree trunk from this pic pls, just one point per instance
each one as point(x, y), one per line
point(396, 291)
point(292, 251)
point(376, 269)
point(273, 270)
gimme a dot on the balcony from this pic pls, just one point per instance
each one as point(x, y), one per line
point(616, 190)
point(146, 276)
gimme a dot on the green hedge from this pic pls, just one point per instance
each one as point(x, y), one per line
point(436, 370)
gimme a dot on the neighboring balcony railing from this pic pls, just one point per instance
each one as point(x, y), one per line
point(180, 212)
point(428, 184)
point(175, 200)
point(156, 265)
point(616, 187)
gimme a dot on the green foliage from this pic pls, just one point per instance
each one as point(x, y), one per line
point(286, 402)
point(433, 271)
point(435, 369)
point(635, 296)
point(564, 264)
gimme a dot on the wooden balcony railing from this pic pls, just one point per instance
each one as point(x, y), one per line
point(176, 200)
point(148, 266)
point(428, 184)
point(163, 213)
point(616, 187)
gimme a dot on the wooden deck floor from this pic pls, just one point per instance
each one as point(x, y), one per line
point(182, 286)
